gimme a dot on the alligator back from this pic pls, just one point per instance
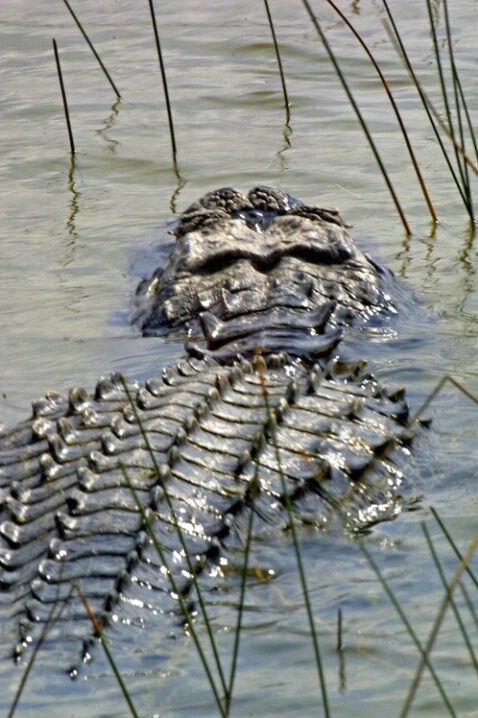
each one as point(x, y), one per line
point(219, 441)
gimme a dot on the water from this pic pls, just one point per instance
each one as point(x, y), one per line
point(75, 243)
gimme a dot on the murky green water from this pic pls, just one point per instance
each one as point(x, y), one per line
point(74, 244)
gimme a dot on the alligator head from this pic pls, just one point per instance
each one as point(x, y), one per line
point(262, 270)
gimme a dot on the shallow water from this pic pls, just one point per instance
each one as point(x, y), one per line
point(74, 245)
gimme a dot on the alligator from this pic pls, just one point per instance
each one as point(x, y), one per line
point(261, 416)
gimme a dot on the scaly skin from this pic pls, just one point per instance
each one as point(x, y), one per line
point(266, 266)
point(258, 274)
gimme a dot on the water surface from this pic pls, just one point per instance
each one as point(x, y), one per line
point(76, 241)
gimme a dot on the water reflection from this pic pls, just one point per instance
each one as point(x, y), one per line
point(74, 209)
point(108, 124)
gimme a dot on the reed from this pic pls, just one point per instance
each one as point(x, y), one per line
point(190, 561)
point(460, 175)
point(92, 48)
point(398, 116)
point(460, 132)
point(279, 62)
point(295, 539)
point(164, 80)
point(356, 108)
point(57, 608)
point(109, 655)
point(63, 96)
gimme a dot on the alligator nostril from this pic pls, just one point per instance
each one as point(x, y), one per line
point(255, 217)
